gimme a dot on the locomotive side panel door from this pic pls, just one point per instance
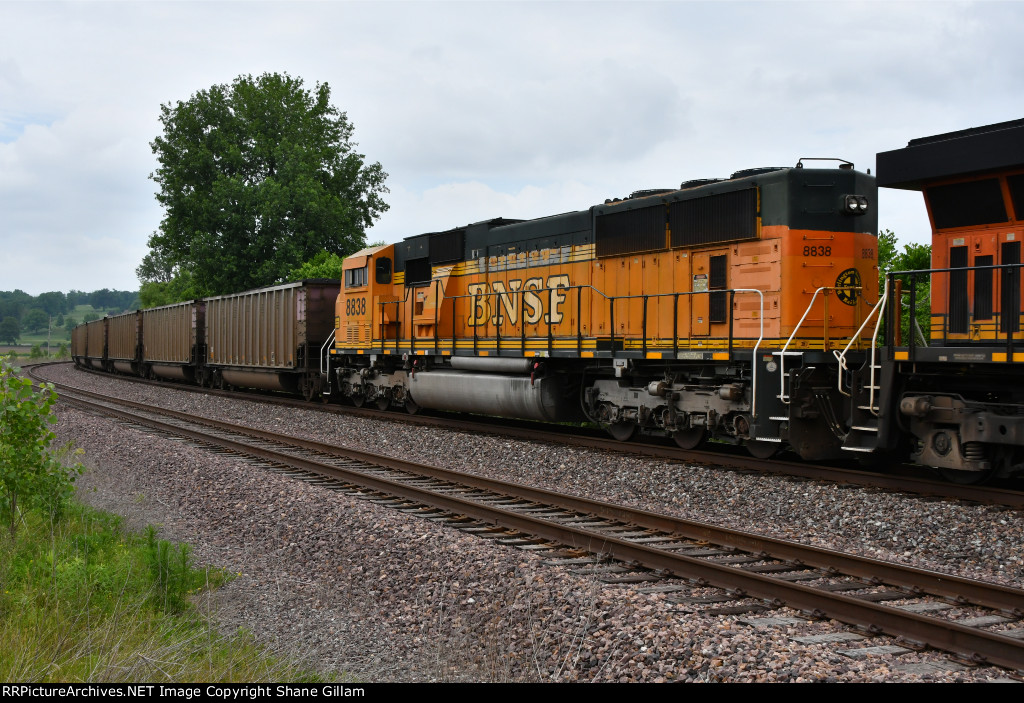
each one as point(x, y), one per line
point(984, 252)
point(981, 312)
point(618, 280)
point(599, 301)
point(719, 311)
point(634, 307)
point(662, 307)
point(681, 283)
point(756, 265)
point(1009, 289)
point(700, 319)
point(956, 320)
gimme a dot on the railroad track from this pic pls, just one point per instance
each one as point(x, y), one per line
point(913, 480)
point(632, 545)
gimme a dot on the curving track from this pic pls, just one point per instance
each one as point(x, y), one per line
point(913, 480)
point(826, 584)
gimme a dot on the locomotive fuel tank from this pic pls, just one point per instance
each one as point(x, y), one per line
point(548, 399)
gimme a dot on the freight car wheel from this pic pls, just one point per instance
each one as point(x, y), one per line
point(622, 431)
point(310, 385)
point(690, 438)
point(761, 450)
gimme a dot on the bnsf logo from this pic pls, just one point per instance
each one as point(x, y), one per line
point(355, 306)
point(500, 302)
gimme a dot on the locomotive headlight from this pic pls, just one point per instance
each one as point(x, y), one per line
point(855, 204)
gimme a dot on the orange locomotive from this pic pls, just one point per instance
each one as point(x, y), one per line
point(957, 390)
point(729, 308)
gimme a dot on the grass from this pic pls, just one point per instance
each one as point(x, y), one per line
point(83, 600)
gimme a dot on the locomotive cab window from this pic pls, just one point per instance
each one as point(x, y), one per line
point(967, 204)
point(355, 278)
point(382, 270)
point(417, 272)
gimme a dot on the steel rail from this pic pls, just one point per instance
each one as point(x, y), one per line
point(969, 642)
point(890, 482)
point(931, 582)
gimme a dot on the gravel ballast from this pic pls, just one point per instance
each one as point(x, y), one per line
point(354, 587)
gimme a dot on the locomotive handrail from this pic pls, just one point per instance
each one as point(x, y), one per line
point(841, 356)
point(782, 354)
point(1008, 317)
point(753, 359)
point(396, 303)
point(579, 324)
point(783, 396)
point(439, 294)
point(578, 289)
point(326, 357)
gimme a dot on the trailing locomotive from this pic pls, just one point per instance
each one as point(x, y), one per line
point(745, 310)
point(957, 396)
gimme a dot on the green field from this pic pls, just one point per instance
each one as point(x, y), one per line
point(57, 335)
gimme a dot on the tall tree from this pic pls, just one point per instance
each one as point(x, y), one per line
point(914, 257)
point(10, 330)
point(323, 265)
point(35, 319)
point(256, 177)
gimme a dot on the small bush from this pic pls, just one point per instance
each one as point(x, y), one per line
point(31, 475)
point(174, 578)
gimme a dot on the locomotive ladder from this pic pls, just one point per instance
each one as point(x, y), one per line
point(325, 363)
point(783, 394)
point(864, 417)
point(862, 435)
point(783, 353)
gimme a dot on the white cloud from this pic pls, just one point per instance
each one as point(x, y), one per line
point(480, 109)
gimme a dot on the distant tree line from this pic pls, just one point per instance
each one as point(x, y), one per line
point(21, 313)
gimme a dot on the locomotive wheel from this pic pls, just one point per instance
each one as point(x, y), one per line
point(357, 400)
point(622, 431)
point(410, 406)
point(690, 438)
point(383, 402)
point(762, 450)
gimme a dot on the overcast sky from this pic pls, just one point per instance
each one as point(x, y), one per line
point(480, 109)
